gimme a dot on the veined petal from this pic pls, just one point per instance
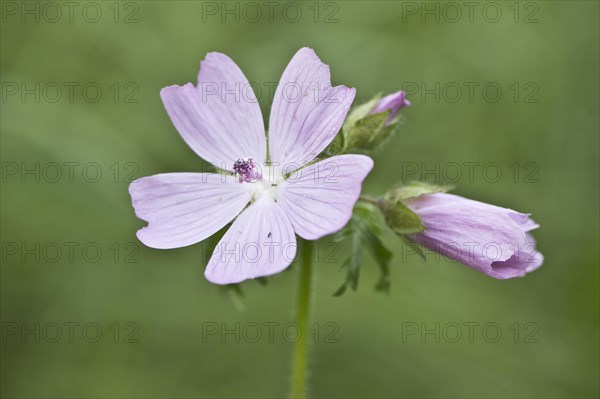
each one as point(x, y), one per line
point(220, 118)
point(307, 111)
point(260, 242)
point(319, 198)
point(185, 208)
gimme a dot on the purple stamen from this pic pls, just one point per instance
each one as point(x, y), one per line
point(247, 170)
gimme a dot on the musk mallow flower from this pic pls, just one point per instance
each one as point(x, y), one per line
point(269, 202)
point(490, 239)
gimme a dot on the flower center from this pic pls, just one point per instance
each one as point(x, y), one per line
point(247, 170)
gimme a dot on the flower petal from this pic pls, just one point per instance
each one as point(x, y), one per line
point(307, 111)
point(185, 208)
point(523, 220)
point(319, 198)
point(260, 242)
point(220, 118)
point(525, 260)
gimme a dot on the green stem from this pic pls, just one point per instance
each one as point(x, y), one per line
point(303, 317)
point(371, 200)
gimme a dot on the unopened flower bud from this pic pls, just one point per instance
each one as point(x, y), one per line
point(394, 103)
point(490, 239)
point(370, 124)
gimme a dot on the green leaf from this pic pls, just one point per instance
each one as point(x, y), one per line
point(352, 264)
point(382, 256)
point(363, 231)
point(352, 267)
point(340, 291)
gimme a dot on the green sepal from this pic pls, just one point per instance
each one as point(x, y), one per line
point(359, 112)
point(401, 219)
point(362, 130)
point(341, 142)
point(366, 131)
point(416, 189)
point(369, 132)
point(336, 147)
point(397, 215)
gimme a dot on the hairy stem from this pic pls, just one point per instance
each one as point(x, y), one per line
point(370, 200)
point(303, 317)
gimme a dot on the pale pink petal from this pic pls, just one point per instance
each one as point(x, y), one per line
point(307, 111)
point(319, 198)
point(525, 259)
point(185, 208)
point(260, 242)
point(220, 118)
point(524, 220)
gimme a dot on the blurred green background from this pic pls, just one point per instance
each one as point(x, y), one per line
point(544, 57)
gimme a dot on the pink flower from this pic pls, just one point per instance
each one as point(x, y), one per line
point(269, 204)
